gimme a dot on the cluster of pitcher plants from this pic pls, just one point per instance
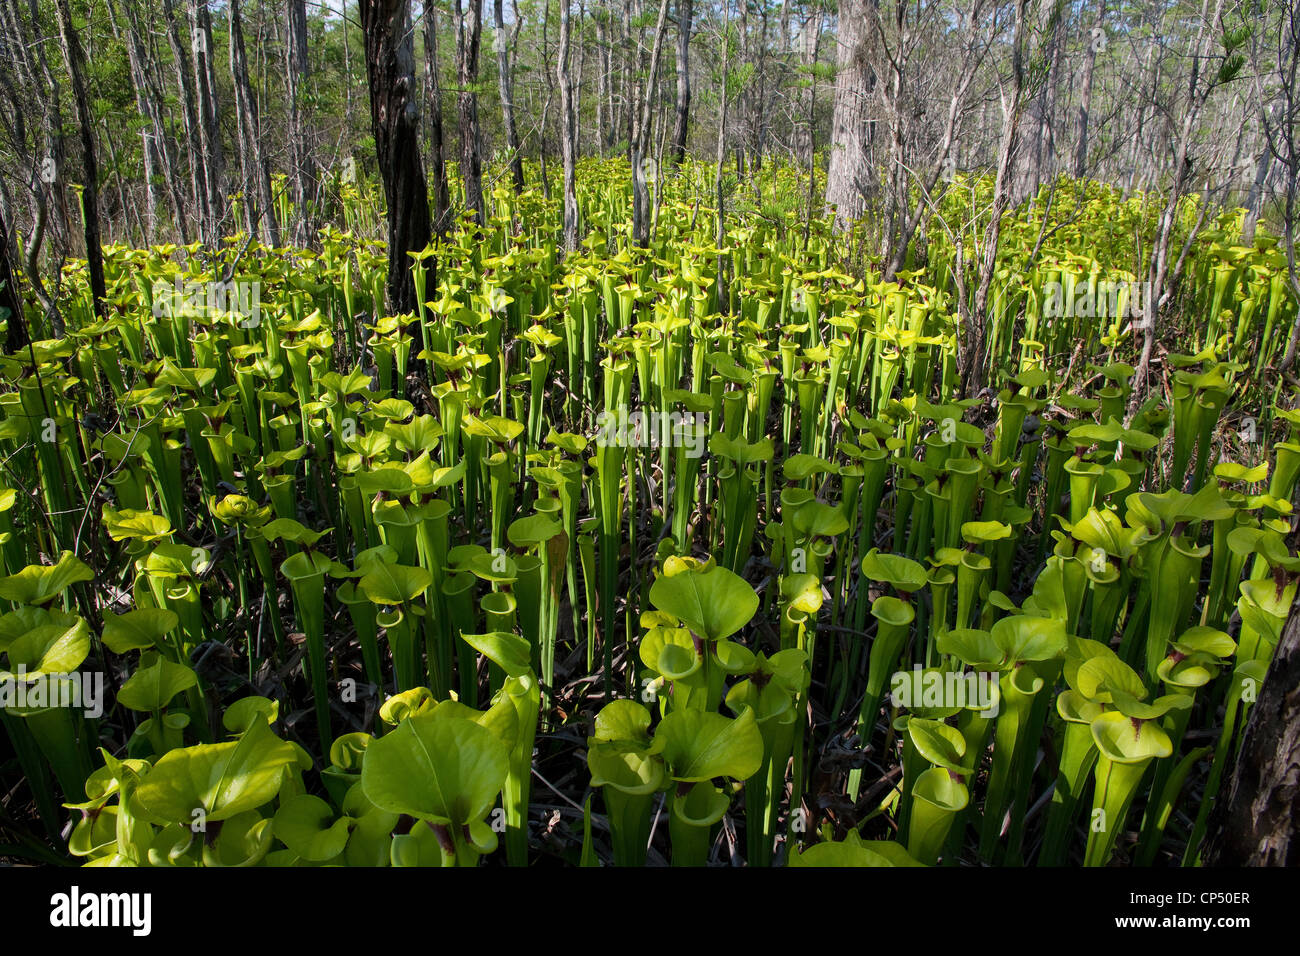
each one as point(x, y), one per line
point(367, 589)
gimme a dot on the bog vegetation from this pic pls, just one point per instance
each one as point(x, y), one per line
point(369, 588)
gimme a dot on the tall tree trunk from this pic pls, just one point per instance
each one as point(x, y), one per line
point(847, 177)
point(437, 147)
point(1158, 268)
point(1289, 242)
point(469, 25)
point(44, 170)
point(568, 133)
point(720, 153)
point(1279, 123)
point(641, 137)
point(148, 152)
point(15, 322)
point(685, 11)
point(971, 357)
point(395, 120)
point(149, 155)
point(348, 108)
point(543, 147)
point(257, 173)
point(1255, 823)
point(502, 44)
point(1096, 43)
point(810, 156)
point(1034, 153)
point(74, 60)
point(149, 97)
point(1047, 131)
point(604, 105)
point(762, 116)
point(1255, 199)
point(577, 70)
point(189, 110)
point(302, 171)
point(743, 106)
point(209, 119)
point(627, 102)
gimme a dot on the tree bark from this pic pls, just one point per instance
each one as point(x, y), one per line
point(149, 97)
point(394, 119)
point(1035, 152)
point(15, 322)
point(1256, 823)
point(148, 152)
point(1096, 40)
point(641, 136)
point(213, 156)
point(685, 11)
point(810, 157)
point(971, 357)
point(502, 45)
point(720, 153)
point(74, 60)
point(302, 172)
point(625, 117)
point(543, 148)
point(568, 133)
point(604, 98)
point(848, 173)
point(1255, 200)
point(194, 148)
point(44, 170)
point(256, 172)
point(1158, 270)
point(437, 144)
point(1280, 63)
point(468, 29)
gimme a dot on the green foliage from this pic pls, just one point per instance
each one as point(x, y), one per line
point(420, 525)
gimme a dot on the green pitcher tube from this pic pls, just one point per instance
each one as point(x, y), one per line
point(970, 579)
point(1084, 476)
point(875, 464)
point(1209, 405)
point(525, 695)
point(1018, 689)
point(500, 612)
point(1011, 419)
point(1112, 404)
point(1186, 426)
point(1123, 756)
point(937, 797)
point(1078, 754)
point(940, 581)
point(1285, 471)
point(401, 645)
point(1058, 451)
point(929, 519)
point(1173, 590)
point(397, 528)
point(963, 474)
point(306, 573)
point(528, 595)
point(893, 623)
point(458, 592)
point(362, 614)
